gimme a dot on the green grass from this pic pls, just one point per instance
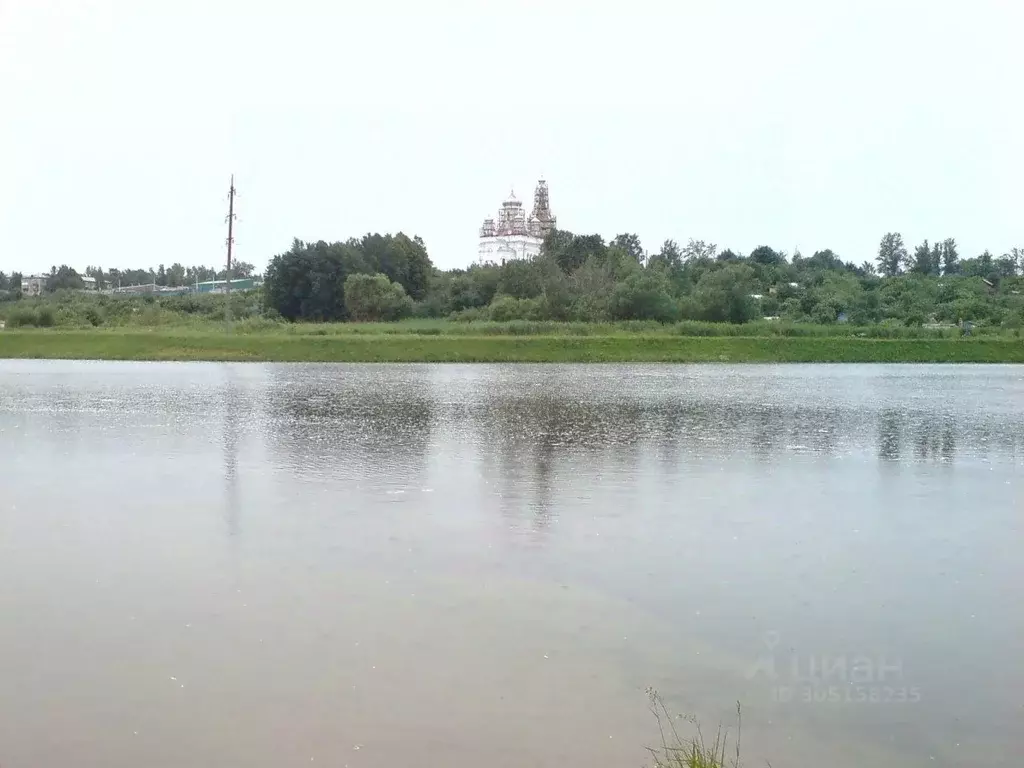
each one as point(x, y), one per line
point(441, 327)
point(358, 343)
point(678, 751)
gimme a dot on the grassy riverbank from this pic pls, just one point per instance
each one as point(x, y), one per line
point(393, 343)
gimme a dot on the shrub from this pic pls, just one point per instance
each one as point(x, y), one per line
point(589, 308)
point(723, 295)
point(375, 297)
point(824, 313)
point(66, 317)
point(1013, 319)
point(93, 316)
point(21, 317)
point(505, 308)
point(256, 325)
point(469, 315)
point(432, 306)
point(644, 296)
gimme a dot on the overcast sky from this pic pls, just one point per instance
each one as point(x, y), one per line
point(793, 123)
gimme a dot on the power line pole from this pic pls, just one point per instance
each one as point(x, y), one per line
point(231, 240)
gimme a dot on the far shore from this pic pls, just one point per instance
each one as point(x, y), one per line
point(310, 345)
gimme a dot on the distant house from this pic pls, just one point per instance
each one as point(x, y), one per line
point(774, 290)
point(33, 285)
point(220, 286)
point(135, 289)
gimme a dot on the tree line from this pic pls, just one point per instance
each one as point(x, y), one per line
point(943, 258)
point(328, 281)
point(177, 275)
point(584, 278)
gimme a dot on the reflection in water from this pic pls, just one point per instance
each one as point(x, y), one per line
point(351, 426)
point(682, 429)
point(489, 546)
point(890, 432)
point(232, 405)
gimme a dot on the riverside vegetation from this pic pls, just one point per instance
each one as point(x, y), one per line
point(380, 298)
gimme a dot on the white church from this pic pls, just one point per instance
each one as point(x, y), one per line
point(516, 235)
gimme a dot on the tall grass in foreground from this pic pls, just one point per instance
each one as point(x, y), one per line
point(677, 751)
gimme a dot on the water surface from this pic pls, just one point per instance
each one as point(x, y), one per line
point(272, 565)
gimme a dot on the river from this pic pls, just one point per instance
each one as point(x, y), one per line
point(358, 565)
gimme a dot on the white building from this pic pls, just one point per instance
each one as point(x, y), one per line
point(33, 285)
point(514, 235)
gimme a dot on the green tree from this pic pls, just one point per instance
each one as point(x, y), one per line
point(1006, 265)
point(1016, 255)
point(464, 293)
point(950, 257)
point(240, 270)
point(766, 256)
point(631, 245)
point(521, 279)
point(505, 308)
point(63, 278)
point(922, 259)
point(126, 277)
point(97, 274)
point(485, 279)
point(195, 275)
point(669, 257)
point(981, 266)
point(986, 262)
point(825, 312)
point(4, 282)
point(697, 250)
point(723, 295)
point(644, 295)
point(822, 260)
point(403, 259)
point(836, 291)
point(556, 299)
point(176, 275)
point(307, 281)
point(936, 258)
point(892, 255)
point(571, 251)
point(417, 266)
point(592, 284)
point(375, 297)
